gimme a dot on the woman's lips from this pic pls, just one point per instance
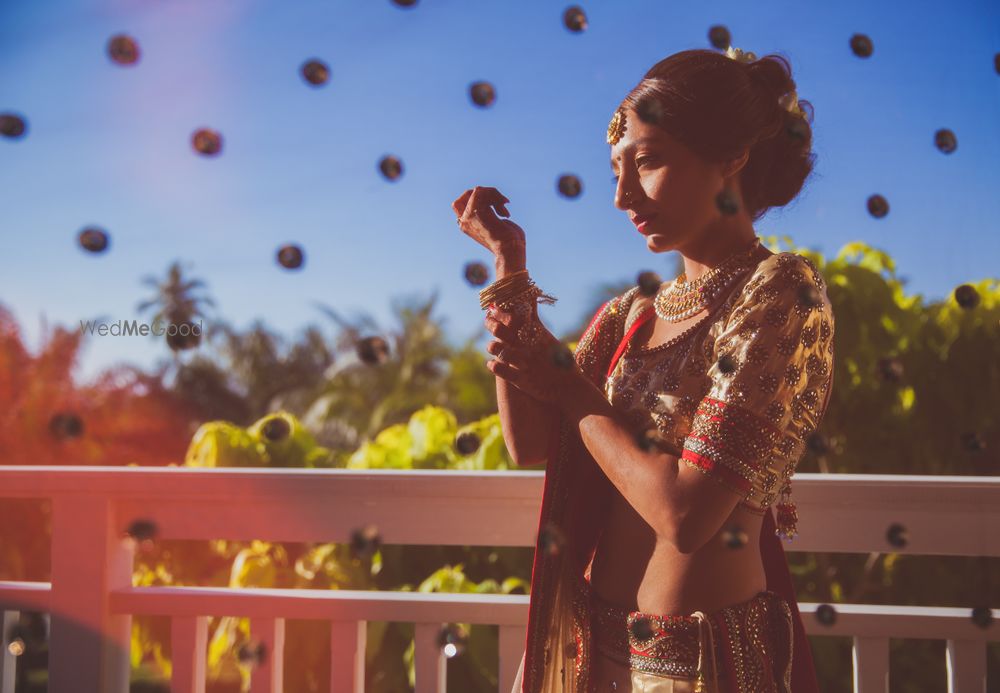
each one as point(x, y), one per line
point(642, 220)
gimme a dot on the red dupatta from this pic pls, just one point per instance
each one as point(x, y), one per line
point(574, 503)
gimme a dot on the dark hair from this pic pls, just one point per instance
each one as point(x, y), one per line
point(717, 107)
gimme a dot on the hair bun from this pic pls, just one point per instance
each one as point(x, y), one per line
point(720, 105)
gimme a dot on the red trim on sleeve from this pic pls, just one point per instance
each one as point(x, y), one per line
point(709, 466)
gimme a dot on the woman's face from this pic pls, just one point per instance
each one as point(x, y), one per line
point(661, 180)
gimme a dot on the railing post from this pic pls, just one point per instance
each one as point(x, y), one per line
point(966, 665)
point(88, 645)
point(428, 659)
point(871, 665)
point(7, 659)
point(348, 640)
point(189, 645)
point(511, 650)
point(269, 632)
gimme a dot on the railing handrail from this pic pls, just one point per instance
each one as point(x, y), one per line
point(837, 512)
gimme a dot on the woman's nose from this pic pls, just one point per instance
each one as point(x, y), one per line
point(624, 197)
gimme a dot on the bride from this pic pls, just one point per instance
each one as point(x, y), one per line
point(678, 423)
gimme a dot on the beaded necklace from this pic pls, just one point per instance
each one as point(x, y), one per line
point(682, 299)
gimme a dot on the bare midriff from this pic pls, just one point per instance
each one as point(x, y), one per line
point(634, 568)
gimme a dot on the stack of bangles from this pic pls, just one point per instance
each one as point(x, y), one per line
point(517, 294)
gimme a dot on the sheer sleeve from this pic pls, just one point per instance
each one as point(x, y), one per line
point(604, 333)
point(771, 379)
point(597, 346)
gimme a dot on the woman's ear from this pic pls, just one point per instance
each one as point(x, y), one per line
point(733, 166)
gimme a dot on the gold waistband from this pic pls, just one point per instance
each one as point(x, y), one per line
point(686, 646)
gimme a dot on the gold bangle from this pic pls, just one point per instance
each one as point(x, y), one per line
point(517, 278)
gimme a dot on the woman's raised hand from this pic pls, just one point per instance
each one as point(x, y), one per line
point(477, 210)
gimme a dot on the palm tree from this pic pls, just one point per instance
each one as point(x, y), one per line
point(176, 305)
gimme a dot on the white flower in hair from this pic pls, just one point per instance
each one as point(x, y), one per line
point(740, 55)
point(790, 101)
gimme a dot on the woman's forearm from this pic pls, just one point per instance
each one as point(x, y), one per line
point(646, 478)
point(526, 424)
point(525, 421)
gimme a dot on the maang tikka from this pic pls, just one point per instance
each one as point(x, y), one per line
point(616, 128)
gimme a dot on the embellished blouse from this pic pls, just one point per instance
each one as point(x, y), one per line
point(739, 392)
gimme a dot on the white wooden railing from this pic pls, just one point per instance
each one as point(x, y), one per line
point(91, 599)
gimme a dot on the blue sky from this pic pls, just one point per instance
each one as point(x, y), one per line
point(109, 145)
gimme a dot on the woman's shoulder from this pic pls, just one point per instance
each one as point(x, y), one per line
point(785, 267)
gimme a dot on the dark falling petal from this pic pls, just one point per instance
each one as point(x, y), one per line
point(65, 426)
point(862, 46)
point(483, 94)
point(365, 542)
point(575, 19)
point(945, 140)
point(123, 50)
point(982, 616)
point(12, 125)
point(476, 273)
point(276, 428)
point(252, 654)
point(182, 336)
point(967, 296)
point(373, 350)
point(649, 283)
point(897, 535)
point(878, 206)
point(93, 240)
point(290, 256)
point(206, 142)
point(315, 72)
point(569, 186)
point(642, 628)
point(391, 167)
point(467, 443)
point(142, 530)
point(719, 37)
point(826, 614)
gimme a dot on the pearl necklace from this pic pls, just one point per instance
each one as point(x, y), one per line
point(682, 299)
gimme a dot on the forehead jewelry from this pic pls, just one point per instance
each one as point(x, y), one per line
point(616, 128)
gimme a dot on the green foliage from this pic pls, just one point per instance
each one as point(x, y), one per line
point(222, 444)
point(426, 441)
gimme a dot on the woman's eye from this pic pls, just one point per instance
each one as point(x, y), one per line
point(641, 159)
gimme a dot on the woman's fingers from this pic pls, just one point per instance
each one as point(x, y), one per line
point(511, 353)
point(503, 332)
point(477, 198)
point(521, 380)
point(458, 206)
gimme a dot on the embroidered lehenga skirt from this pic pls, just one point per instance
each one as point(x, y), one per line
point(741, 647)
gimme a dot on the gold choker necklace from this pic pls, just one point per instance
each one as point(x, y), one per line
point(682, 299)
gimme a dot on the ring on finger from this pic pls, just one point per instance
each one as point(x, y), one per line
point(500, 354)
